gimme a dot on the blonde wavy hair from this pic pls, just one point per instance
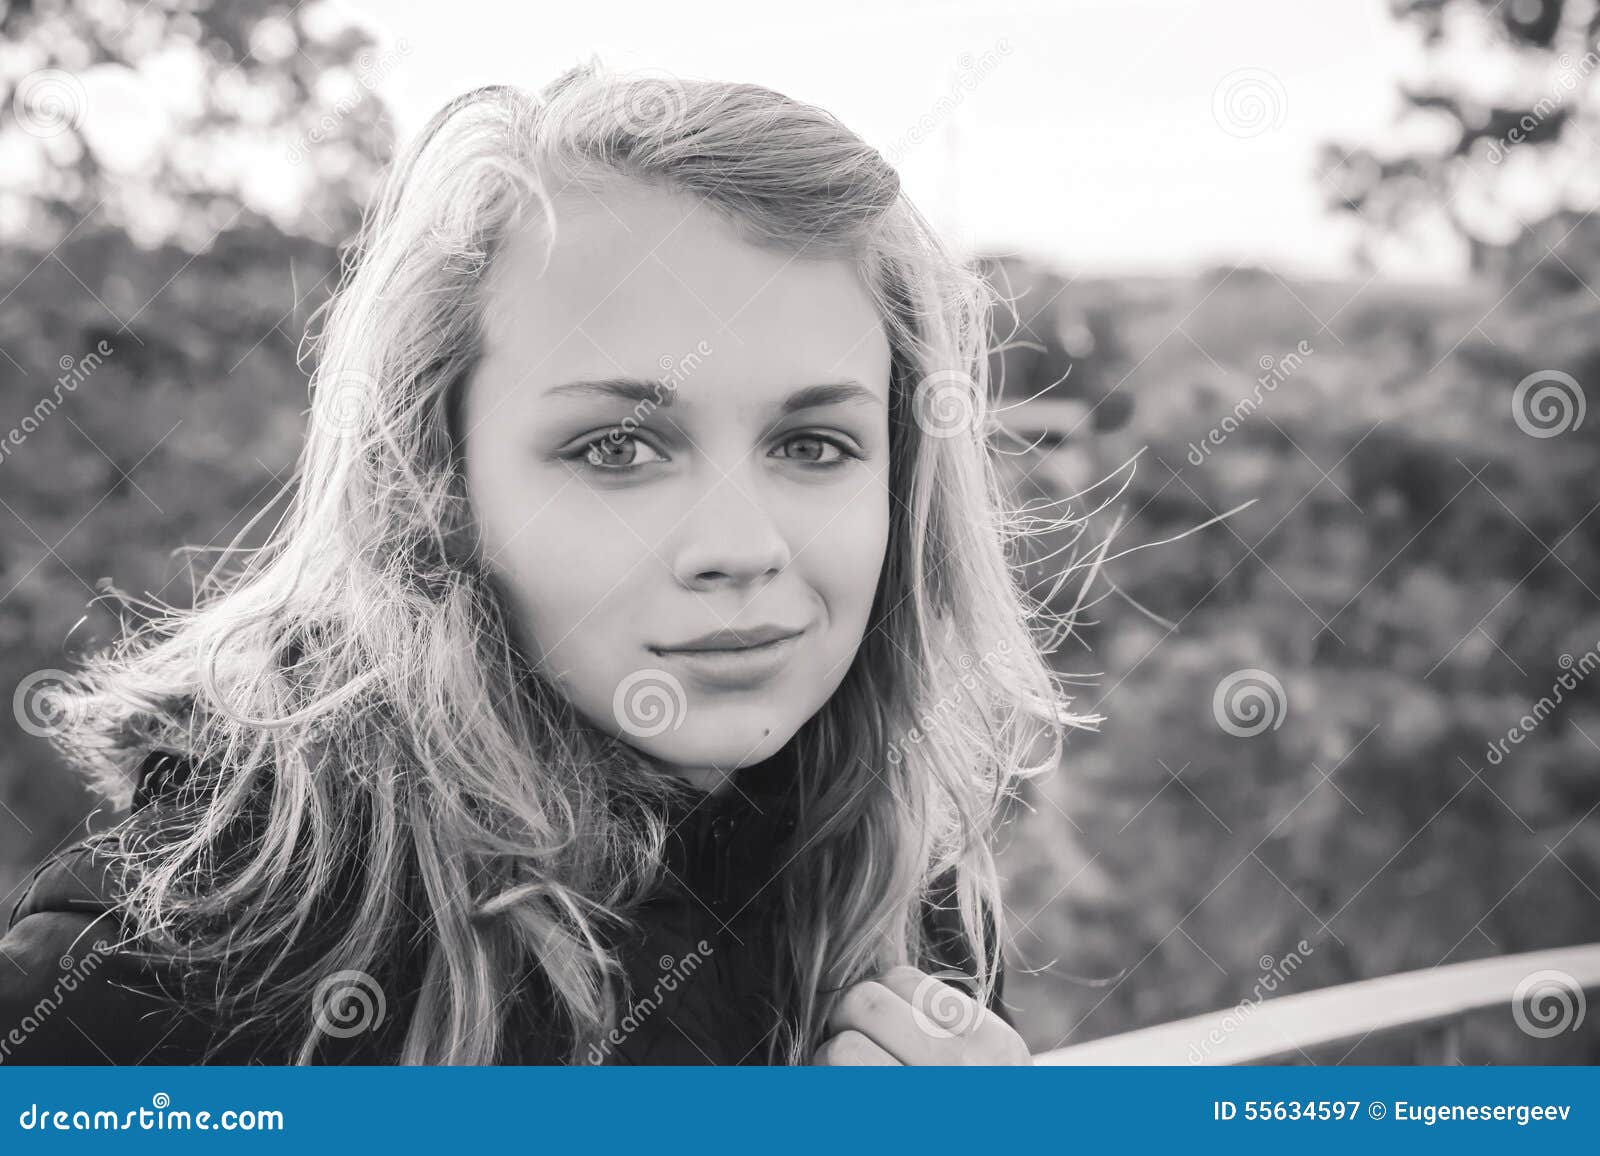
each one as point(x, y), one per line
point(367, 737)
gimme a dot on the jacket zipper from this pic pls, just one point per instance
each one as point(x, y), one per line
point(723, 971)
point(721, 842)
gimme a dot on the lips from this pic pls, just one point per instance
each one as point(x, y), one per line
point(732, 641)
point(745, 669)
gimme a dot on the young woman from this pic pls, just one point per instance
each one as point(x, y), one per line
point(639, 671)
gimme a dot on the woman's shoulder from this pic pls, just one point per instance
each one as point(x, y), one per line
point(78, 879)
point(72, 990)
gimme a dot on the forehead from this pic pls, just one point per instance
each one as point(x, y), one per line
point(639, 277)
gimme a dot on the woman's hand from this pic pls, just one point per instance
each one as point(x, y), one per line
point(907, 1016)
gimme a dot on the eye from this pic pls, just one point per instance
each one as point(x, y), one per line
point(615, 450)
point(811, 444)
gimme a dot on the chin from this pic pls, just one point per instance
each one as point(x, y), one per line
point(724, 744)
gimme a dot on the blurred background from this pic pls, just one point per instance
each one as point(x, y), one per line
point(1335, 263)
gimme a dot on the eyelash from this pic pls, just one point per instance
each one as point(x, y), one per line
point(581, 454)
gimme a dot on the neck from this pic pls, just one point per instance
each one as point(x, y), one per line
point(709, 779)
point(772, 773)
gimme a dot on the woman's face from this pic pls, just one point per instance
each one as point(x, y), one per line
point(733, 496)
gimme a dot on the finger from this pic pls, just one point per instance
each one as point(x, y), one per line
point(976, 1034)
point(941, 1009)
point(885, 1016)
point(852, 1049)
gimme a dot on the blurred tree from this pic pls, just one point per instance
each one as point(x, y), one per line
point(1500, 143)
point(1416, 573)
point(1050, 344)
point(176, 119)
point(175, 180)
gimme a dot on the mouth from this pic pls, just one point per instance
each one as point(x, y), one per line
point(753, 648)
point(733, 641)
point(733, 667)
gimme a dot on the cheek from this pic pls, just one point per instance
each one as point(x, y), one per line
point(566, 566)
point(844, 553)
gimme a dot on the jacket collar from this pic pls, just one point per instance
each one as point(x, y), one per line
point(726, 849)
point(80, 877)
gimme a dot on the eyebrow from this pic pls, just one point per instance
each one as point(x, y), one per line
point(635, 389)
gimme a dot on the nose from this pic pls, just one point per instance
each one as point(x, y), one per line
point(729, 538)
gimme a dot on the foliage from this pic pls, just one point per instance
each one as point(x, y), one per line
point(1499, 137)
point(1413, 571)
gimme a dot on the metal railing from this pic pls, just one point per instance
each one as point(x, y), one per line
point(1434, 1000)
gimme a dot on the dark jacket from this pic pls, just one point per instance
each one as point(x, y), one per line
point(697, 982)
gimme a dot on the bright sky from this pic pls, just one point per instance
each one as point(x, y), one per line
point(1108, 135)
